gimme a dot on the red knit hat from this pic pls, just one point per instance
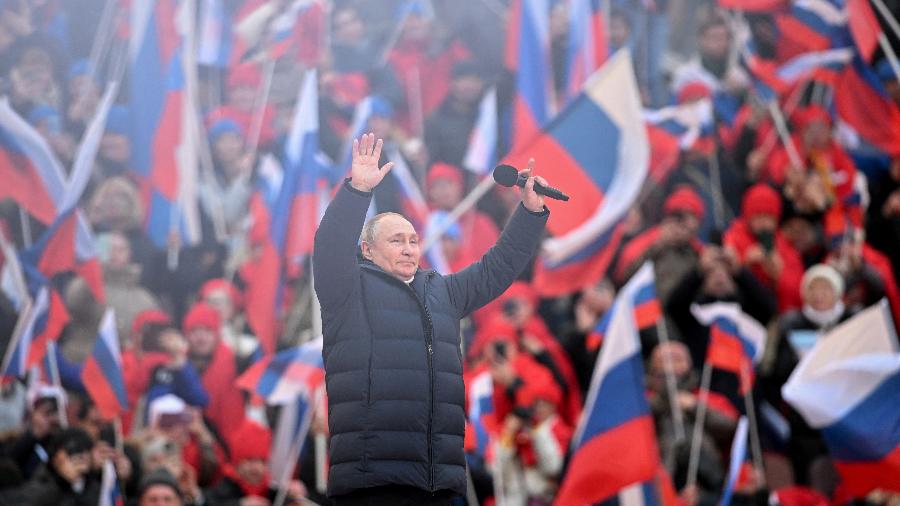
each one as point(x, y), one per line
point(246, 74)
point(250, 441)
point(147, 317)
point(496, 330)
point(808, 115)
point(443, 171)
point(761, 199)
point(539, 390)
point(202, 315)
point(684, 198)
point(223, 285)
point(520, 290)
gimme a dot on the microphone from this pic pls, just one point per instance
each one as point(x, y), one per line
point(507, 175)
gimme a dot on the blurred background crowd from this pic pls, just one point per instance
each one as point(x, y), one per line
point(798, 222)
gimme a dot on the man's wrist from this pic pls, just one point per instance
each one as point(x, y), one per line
point(541, 212)
point(349, 183)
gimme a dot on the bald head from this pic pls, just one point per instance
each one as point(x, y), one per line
point(390, 241)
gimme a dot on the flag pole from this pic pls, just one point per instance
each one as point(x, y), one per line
point(662, 330)
point(890, 54)
point(697, 438)
point(464, 205)
point(888, 17)
point(781, 128)
point(294, 453)
point(54, 378)
point(755, 445)
point(260, 111)
point(25, 225)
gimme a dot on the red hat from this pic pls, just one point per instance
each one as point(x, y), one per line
point(693, 90)
point(809, 115)
point(684, 198)
point(246, 74)
point(223, 285)
point(250, 441)
point(539, 390)
point(202, 315)
point(147, 317)
point(520, 290)
point(443, 171)
point(496, 330)
point(761, 199)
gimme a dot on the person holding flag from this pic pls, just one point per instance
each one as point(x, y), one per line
point(391, 341)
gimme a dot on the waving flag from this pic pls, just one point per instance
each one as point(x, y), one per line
point(216, 38)
point(736, 340)
point(862, 102)
point(481, 407)
point(110, 495)
point(528, 58)
point(738, 457)
point(40, 323)
point(290, 433)
point(614, 446)
point(102, 373)
point(285, 211)
point(587, 44)
point(846, 387)
point(482, 152)
point(642, 297)
point(164, 144)
point(813, 25)
point(691, 123)
point(277, 29)
point(281, 377)
point(597, 148)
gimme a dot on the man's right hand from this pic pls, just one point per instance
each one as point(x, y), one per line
point(364, 172)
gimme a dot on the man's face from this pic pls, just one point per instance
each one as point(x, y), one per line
point(718, 283)
point(252, 471)
point(119, 251)
point(467, 88)
point(160, 495)
point(817, 135)
point(45, 419)
point(202, 341)
point(820, 295)
point(395, 248)
point(115, 147)
point(445, 194)
point(715, 42)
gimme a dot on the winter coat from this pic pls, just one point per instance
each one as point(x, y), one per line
point(392, 353)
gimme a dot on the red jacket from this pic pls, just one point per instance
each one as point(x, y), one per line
point(787, 286)
point(226, 403)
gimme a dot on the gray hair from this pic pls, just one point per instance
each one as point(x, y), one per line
point(368, 231)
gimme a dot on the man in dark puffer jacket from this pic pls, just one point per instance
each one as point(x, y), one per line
point(392, 348)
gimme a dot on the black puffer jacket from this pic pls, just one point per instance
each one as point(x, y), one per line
point(392, 353)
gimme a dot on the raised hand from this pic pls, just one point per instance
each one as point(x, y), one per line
point(364, 171)
point(531, 200)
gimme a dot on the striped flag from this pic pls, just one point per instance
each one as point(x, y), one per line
point(482, 152)
point(528, 58)
point(281, 377)
point(738, 457)
point(110, 495)
point(102, 373)
point(642, 299)
point(587, 44)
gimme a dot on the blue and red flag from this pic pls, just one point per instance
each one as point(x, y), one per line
point(644, 302)
point(285, 212)
point(602, 173)
point(812, 25)
point(614, 446)
point(862, 102)
point(216, 37)
point(737, 460)
point(528, 58)
point(587, 48)
point(281, 377)
point(846, 387)
point(481, 410)
point(110, 495)
point(269, 30)
point(40, 322)
point(102, 372)
point(481, 154)
point(164, 155)
point(736, 340)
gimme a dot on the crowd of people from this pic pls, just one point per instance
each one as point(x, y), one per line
point(801, 248)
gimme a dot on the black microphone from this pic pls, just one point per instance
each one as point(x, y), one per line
point(507, 175)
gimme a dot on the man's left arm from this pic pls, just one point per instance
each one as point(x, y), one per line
point(486, 279)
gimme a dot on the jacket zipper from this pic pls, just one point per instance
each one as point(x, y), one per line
point(428, 325)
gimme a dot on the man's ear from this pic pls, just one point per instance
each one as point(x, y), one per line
point(366, 250)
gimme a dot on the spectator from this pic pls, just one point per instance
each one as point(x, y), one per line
point(763, 249)
point(217, 366)
point(159, 488)
point(590, 305)
point(32, 448)
point(121, 281)
point(712, 66)
point(447, 130)
point(114, 154)
point(222, 295)
point(62, 480)
point(228, 191)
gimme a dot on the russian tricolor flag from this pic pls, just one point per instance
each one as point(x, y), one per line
point(736, 340)
point(615, 443)
point(528, 58)
point(647, 310)
point(737, 458)
point(596, 151)
point(216, 38)
point(481, 407)
point(587, 44)
point(102, 373)
point(281, 377)
point(846, 387)
point(110, 495)
point(862, 102)
point(482, 152)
